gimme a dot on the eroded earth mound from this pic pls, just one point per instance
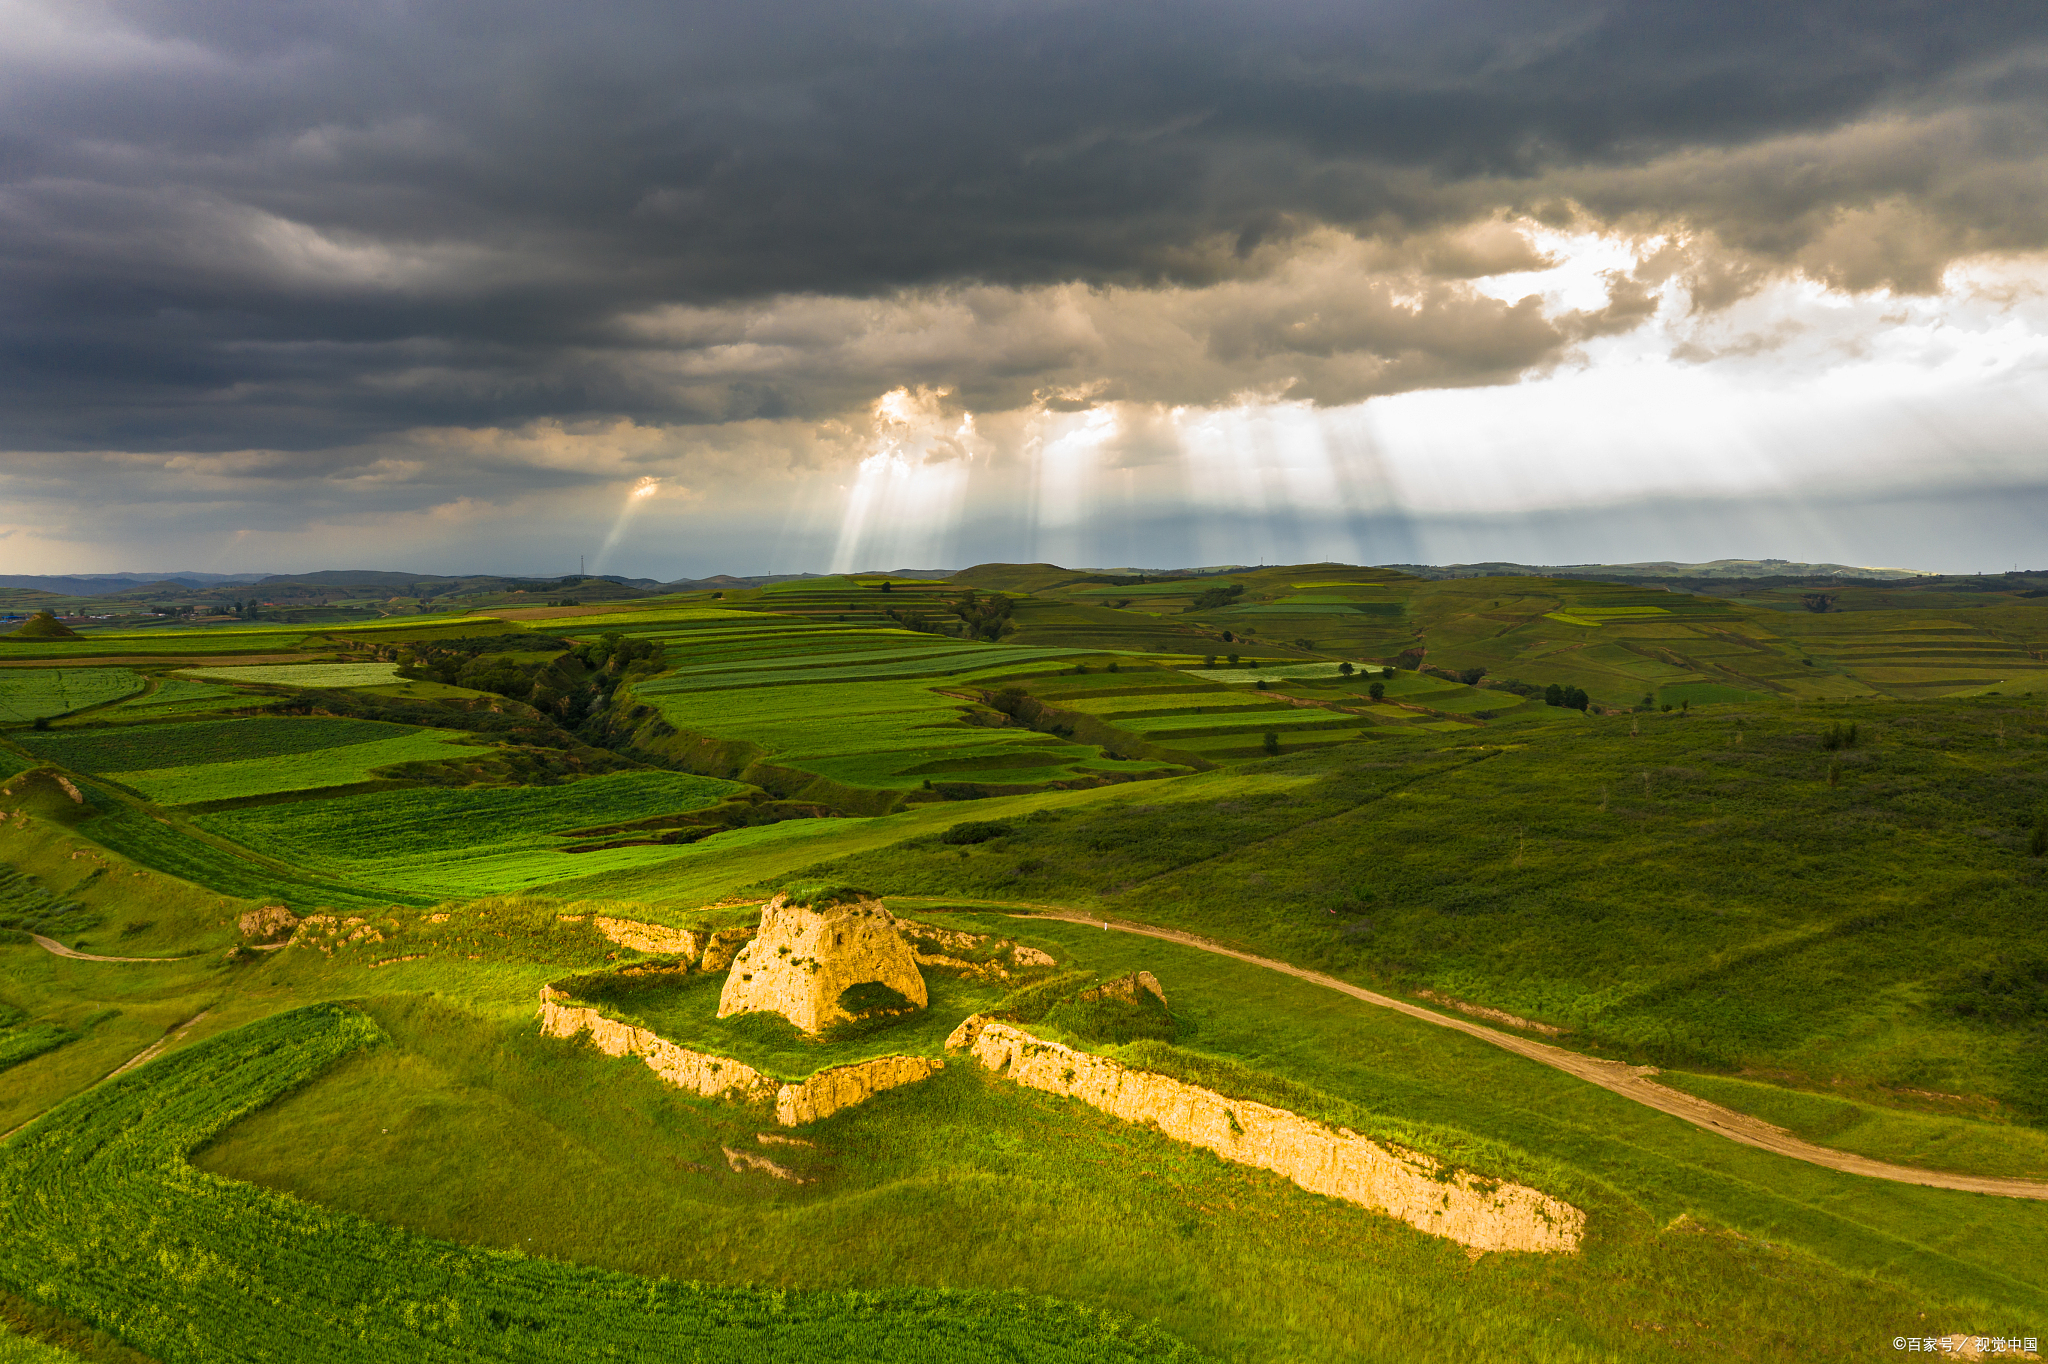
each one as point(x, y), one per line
point(828, 957)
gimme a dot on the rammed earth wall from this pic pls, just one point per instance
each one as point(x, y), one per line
point(719, 1077)
point(1338, 1162)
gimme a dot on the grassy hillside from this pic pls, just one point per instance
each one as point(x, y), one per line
point(1789, 844)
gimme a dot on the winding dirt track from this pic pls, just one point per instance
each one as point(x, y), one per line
point(57, 949)
point(1628, 1081)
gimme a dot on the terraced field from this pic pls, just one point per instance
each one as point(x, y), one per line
point(878, 708)
point(181, 696)
point(234, 759)
point(441, 842)
point(303, 674)
point(30, 693)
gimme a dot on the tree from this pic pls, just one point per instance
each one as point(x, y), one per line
point(1272, 742)
point(1263, 685)
point(1233, 660)
point(885, 584)
point(1577, 699)
point(1208, 660)
point(1229, 638)
point(1345, 669)
point(1553, 695)
point(1377, 690)
point(1386, 672)
point(1470, 676)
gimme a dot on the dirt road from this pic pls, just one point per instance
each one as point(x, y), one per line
point(57, 949)
point(1631, 1082)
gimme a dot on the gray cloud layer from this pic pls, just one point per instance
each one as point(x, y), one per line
point(231, 226)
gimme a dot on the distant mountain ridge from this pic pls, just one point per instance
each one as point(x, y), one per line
point(145, 584)
point(1715, 568)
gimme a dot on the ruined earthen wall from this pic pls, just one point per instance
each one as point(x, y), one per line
point(719, 1077)
point(654, 939)
point(842, 1087)
point(1325, 1160)
point(803, 959)
point(714, 1077)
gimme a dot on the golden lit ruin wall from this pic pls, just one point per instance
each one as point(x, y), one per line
point(1334, 1161)
point(842, 1087)
point(803, 960)
point(718, 1077)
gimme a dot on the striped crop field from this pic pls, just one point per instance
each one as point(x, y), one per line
point(30, 693)
point(879, 733)
point(303, 674)
point(157, 643)
point(930, 662)
point(182, 696)
point(340, 766)
point(128, 750)
point(180, 764)
point(439, 841)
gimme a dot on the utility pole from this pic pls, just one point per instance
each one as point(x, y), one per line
point(579, 567)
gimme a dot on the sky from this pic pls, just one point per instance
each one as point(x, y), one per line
point(674, 289)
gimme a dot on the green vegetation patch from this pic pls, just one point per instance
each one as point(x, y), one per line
point(343, 765)
point(473, 841)
point(103, 1182)
point(140, 749)
point(1924, 1140)
point(32, 693)
point(304, 674)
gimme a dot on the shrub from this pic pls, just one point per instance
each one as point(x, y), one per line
point(979, 831)
point(1030, 1003)
point(1115, 1021)
point(1272, 742)
point(824, 895)
point(1377, 690)
point(872, 997)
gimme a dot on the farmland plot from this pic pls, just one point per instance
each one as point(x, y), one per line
point(339, 766)
point(30, 693)
point(445, 842)
point(136, 749)
point(303, 674)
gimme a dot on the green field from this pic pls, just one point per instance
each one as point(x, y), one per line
point(1821, 911)
point(303, 674)
point(464, 842)
point(341, 765)
point(29, 693)
point(167, 1257)
point(182, 696)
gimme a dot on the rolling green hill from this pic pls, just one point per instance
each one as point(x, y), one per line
point(1788, 843)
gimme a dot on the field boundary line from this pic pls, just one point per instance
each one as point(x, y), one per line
point(147, 1054)
point(1631, 1082)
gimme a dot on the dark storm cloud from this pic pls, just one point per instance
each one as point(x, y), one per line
point(232, 225)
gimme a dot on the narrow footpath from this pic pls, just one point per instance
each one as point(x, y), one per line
point(1631, 1082)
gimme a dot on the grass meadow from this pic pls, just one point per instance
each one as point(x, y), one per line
point(34, 693)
